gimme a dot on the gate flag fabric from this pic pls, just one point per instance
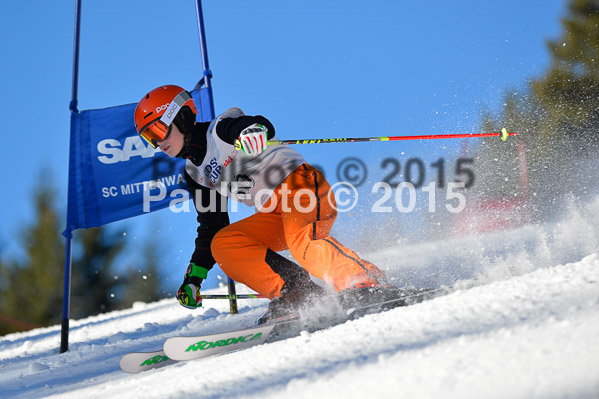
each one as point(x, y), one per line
point(111, 167)
point(112, 170)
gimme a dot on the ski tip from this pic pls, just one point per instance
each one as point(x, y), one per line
point(136, 362)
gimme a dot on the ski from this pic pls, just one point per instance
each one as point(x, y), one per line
point(136, 362)
point(196, 347)
point(189, 348)
point(407, 298)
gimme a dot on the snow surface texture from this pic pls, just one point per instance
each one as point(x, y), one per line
point(524, 324)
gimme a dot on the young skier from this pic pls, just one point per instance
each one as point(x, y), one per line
point(229, 157)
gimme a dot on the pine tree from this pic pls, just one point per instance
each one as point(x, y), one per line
point(95, 283)
point(557, 119)
point(569, 91)
point(144, 279)
point(32, 292)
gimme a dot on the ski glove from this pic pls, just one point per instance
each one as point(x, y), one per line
point(253, 140)
point(188, 294)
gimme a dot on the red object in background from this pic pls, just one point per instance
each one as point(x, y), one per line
point(489, 215)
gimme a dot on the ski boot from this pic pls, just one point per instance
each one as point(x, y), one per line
point(291, 299)
point(369, 298)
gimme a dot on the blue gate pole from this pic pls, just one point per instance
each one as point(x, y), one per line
point(66, 305)
point(206, 67)
point(207, 76)
point(68, 234)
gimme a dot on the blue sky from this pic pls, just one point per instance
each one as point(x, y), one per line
point(315, 68)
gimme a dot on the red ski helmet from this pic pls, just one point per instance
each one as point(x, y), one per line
point(157, 110)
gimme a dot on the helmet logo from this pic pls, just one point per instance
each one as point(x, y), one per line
point(173, 111)
point(162, 107)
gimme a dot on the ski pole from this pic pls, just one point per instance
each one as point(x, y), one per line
point(237, 296)
point(503, 134)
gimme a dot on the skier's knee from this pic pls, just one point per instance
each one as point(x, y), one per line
point(219, 244)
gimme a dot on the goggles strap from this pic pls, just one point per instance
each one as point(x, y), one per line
point(174, 107)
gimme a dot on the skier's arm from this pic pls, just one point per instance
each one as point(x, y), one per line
point(210, 222)
point(229, 129)
point(211, 218)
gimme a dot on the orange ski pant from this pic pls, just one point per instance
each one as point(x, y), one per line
point(298, 216)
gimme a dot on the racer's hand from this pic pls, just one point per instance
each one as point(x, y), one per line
point(188, 294)
point(253, 139)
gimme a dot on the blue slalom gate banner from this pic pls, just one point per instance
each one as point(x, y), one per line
point(113, 173)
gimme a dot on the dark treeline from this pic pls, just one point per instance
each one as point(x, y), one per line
point(31, 286)
point(557, 116)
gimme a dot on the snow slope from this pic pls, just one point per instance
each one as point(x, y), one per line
point(522, 325)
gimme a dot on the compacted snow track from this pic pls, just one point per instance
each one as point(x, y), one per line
point(522, 323)
point(532, 335)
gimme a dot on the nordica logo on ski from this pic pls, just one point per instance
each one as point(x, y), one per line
point(154, 360)
point(203, 345)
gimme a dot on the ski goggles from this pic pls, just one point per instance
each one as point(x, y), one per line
point(159, 129)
